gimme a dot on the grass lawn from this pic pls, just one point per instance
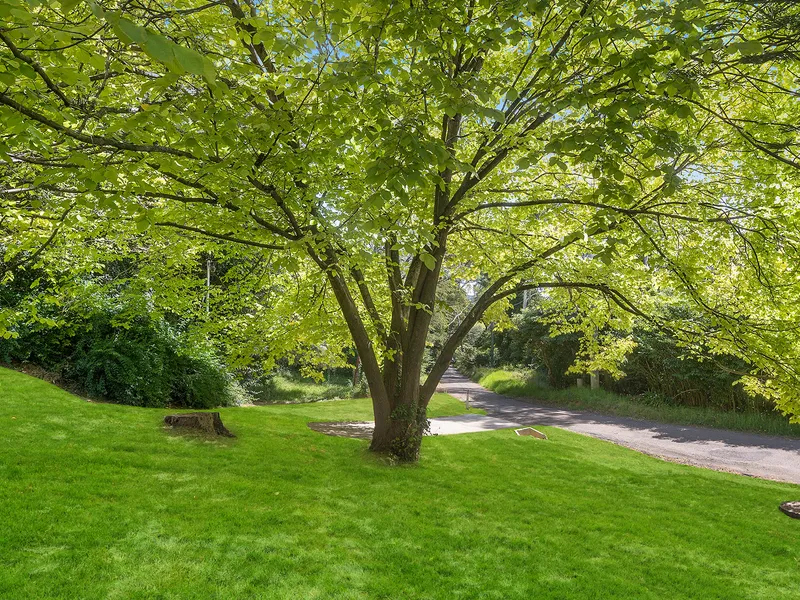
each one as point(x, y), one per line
point(294, 388)
point(517, 384)
point(99, 501)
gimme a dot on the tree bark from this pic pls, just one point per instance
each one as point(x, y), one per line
point(399, 433)
point(355, 371)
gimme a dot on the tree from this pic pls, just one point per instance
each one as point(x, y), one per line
point(576, 147)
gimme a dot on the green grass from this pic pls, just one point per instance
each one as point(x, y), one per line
point(293, 388)
point(360, 409)
point(99, 501)
point(298, 390)
point(520, 384)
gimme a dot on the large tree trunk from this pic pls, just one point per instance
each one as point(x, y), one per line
point(398, 399)
point(399, 433)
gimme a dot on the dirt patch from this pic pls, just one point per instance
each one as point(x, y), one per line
point(38, 372)
point(361, 430)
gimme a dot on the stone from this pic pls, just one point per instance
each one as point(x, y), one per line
point(531, 432)
point(206, 422)
point(791, 509)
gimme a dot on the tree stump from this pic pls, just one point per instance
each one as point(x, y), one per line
point(207, 422)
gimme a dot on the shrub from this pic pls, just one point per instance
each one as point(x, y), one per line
point(657, 366)
point(140, 361)
point(201, 382)
point(126, 366)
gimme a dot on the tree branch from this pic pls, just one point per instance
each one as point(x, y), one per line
point(94, 140)
point(220, 236)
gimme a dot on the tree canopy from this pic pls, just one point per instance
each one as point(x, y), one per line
point(623, 157)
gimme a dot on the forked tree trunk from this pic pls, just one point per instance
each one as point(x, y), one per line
point(399, 433)
point(399, 401)
point(401, 421)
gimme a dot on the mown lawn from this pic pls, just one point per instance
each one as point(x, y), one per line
point(99, 501)
point(296, 390)
point(291, 387)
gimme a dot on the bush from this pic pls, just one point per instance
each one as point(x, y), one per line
point(656, 372)
point(201, 382)
point(140, 362)
point(657, 366)
point(125, 366)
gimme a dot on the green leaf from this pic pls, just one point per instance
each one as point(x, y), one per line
point(493, 113)
point(189, 60)
point(428, 261)
point(96, 9)
point(159, 48)
point(128, 31)
point(142, 223)
point(750, 47)
point(68, 5)
point(176, 57)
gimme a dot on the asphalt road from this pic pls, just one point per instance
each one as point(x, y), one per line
point(745, 453)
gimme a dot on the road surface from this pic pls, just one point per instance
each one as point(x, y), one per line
point(745, 453)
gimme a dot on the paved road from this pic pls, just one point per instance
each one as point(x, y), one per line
point(749, 454)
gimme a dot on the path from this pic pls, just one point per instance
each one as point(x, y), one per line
point(439, 426)
point(746, 453)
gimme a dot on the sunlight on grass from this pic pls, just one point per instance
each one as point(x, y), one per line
point(99, 501)
point(293, 388)
point(360, 409)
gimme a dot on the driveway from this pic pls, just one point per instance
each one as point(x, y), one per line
point(745, 453)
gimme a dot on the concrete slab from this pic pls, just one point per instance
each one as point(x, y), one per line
point(441, 426)
point(468, 424)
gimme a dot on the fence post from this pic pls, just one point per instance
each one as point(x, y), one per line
point(595, 380)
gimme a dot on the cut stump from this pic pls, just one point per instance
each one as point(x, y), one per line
point(791, 509)
point(207, 422)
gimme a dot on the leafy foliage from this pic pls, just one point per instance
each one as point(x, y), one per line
point(142, 362)
point(655, 367)
point(612, 153)
point(661, 372)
